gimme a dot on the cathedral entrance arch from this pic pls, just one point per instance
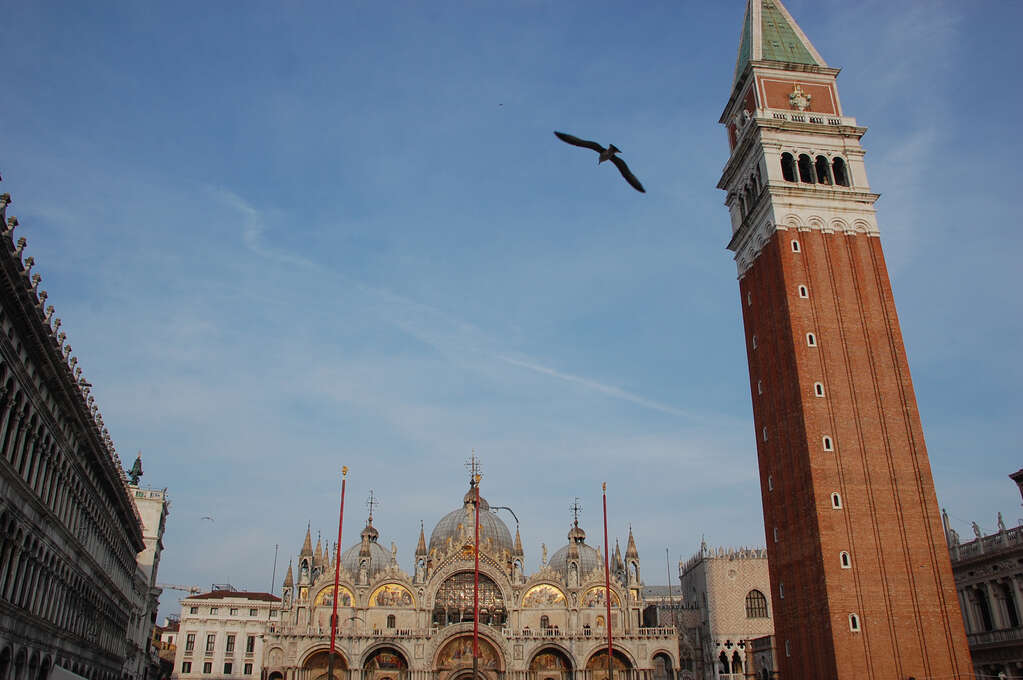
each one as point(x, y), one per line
point(385, 663)
point(454, 660)
point(315, 665)
point(454, 601)
point(597, 664)
point(551, 663)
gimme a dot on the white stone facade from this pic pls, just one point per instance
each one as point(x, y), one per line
point(731, 591)
point(142, 659)
point(220, 635)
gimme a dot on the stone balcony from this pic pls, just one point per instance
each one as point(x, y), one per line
point(995, 637)
point(986, 545)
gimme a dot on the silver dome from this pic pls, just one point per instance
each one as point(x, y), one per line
point(589, 559)
point(379, 557)
point(491, 527)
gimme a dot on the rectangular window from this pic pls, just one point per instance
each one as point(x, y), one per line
point(213, 610)
point(211, 640)
point(234, 611)
point(227, 668)
point(252, 612)
point(193, 610)
point(273, 613)
point(248, 669)
point(250, 644)
point(186, 666)
point(190, 642)
point(207, 668)
point(230, 643)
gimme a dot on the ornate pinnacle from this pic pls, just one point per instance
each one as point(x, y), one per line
point(36, 279)
point(49, 310)
point(5, 200)
point(56, 324)
point(28, 264)
point(73, 362)
point(67, 351)
point(78, 371)
point(21, 241)
point(12, 222)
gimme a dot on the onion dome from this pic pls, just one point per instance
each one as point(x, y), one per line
point(587, 557)
point(368, 551)
point(455, 522)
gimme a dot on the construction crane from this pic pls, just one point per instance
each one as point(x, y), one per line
point(191, 590)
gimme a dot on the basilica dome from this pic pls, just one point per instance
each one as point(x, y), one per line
point(377, 557)
point(577, 550)
point(455, 522)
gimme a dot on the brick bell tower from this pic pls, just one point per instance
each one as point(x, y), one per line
point(861, 579)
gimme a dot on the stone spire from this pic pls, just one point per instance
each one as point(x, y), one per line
point(289, 579)
point(630, 550)
point(518, 542)
point(421, 547)
point(318, 553)
point(307, 545)
point(616, 559)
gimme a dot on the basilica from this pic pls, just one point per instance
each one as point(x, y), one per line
point(394, 625)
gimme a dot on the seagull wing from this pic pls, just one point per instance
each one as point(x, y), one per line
point(627, 174)
point(575, 141)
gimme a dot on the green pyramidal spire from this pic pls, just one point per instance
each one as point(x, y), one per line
point(769, 33)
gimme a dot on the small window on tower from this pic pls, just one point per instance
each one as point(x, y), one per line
point(836, 501)
point(781, 591)
point(803, 292)
point(760, 387)
point(770, 483)
point(828, 445)
point(818, 389)
point(795, 246)
point(854, 623)
point(846, 562)
point(811, 340)
point(764, 434)
point(788, 167)
point(749, 299)
point(776, 534)
point(841, 173)
point(788, 650)
point(805, 169)
point(754, 342)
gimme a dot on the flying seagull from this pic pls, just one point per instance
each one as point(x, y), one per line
point(607, 154)
point(209, 518)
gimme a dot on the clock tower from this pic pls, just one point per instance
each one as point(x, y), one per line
point(860, 572)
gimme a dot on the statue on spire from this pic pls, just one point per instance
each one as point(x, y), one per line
point(136, 470)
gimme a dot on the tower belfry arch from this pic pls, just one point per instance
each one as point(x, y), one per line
point(862, 588)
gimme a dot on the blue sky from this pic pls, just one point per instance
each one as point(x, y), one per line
point(289, 236)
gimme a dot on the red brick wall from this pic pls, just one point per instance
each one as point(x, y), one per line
point(900, 584)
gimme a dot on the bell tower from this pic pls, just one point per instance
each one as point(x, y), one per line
point(861, 578)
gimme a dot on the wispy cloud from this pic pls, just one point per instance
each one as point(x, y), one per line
point(609, 390)
point(254, 227)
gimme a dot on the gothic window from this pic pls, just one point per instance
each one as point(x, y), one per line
point(756, 605)
point(841, 173)
point(805, 169)
point(736, 663)
point(723, 658)
point(788, 167)
point(823, 176)
point(454, 601)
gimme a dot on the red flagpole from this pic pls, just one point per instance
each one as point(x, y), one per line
point(337, 572)
point(607, 586)
point(476, 587)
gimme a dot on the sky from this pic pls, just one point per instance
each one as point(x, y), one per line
point(287, 236)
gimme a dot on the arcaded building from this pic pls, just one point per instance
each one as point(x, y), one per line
point(69, 531)
point(394, 624)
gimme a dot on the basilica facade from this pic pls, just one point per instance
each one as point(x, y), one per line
point(394, 625)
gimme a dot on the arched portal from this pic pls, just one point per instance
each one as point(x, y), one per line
point(550, 663)
point(385, 663)
point(597, 665)
point(455, 658)
point(454, 601)
point(317, 666)
point(663, 667)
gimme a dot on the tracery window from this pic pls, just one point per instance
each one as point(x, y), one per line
point(756, 605)
point(454, 601)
